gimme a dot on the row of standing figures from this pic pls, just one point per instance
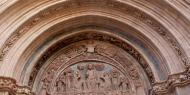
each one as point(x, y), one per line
point(91, 80)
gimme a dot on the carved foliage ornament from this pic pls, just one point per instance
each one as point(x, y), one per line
point(176, 80)
point(9, 84)
point(112, 4)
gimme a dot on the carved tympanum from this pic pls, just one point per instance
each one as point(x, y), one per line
point(95, 49)
point(91, 78)
point(90, 68)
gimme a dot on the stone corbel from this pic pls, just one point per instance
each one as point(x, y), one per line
point(175, 80)
point(9, 85)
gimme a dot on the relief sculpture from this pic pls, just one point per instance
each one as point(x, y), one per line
point(91, 78)
point(46, 84)
point(90, 69)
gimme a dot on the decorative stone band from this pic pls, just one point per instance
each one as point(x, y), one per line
point(68, 5)
point(9, 85)
point(175, 80)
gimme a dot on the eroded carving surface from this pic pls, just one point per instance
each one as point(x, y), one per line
point(92, 78)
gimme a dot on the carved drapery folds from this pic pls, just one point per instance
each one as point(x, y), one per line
point(9, 85)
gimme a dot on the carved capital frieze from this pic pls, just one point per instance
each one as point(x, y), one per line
point(24, 90)
point(9, 85)
point(175, 80)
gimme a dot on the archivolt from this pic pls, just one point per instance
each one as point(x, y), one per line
point(27, 20)
point(94, 20)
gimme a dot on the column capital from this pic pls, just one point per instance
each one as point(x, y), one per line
point(9, 85)
point(173, 81)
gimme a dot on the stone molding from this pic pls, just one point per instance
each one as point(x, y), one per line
point(112, 5)
point(9, 85)
point(92, 36)
point(173, 81)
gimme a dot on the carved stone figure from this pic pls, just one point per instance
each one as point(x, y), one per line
point(46, 84)
point(91, 76)
point(61, 85)
point(123, 84)
point(107, 83)
point(114, 79)
point(69, 80)
point(99, 76)
point(82, 77)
